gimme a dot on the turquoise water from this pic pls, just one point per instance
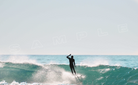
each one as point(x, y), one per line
point(54, 70)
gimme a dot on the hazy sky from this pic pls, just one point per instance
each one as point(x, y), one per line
point(92, 27)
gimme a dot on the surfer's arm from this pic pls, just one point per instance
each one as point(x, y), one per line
point(68, 56)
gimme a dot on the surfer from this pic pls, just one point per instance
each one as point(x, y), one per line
point(71, 63)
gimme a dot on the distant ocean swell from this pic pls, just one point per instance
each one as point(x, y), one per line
point(59, 74)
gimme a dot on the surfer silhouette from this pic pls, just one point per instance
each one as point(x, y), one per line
point(71, 63)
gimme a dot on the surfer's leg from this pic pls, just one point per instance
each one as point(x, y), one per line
point(74, 70)
point(71, 69)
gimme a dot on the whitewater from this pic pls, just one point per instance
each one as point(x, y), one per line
point(54, 70)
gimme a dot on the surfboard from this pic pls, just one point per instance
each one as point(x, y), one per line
point(79, 78)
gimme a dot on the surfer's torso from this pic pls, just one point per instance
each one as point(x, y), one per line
point(71, 61)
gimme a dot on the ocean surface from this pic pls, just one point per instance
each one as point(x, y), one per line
point(54, 70)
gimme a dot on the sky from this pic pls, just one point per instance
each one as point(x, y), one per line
point(61, 27)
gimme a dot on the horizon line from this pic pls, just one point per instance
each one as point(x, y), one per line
point(73, 54)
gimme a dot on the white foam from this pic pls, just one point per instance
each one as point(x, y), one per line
point(99, 78)
point(20, 59)
point(104, 70)
point(1, 65)
point(55, 75)
point(3, 83)
point(92, 62)
point(25, 83)
point(14, 83)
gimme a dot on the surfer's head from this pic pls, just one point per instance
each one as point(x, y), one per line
point(72, 56)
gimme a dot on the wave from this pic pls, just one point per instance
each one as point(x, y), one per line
point(54, 74)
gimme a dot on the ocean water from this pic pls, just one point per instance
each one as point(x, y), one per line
point(54, 70)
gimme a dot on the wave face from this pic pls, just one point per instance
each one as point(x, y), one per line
point(60, 74)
